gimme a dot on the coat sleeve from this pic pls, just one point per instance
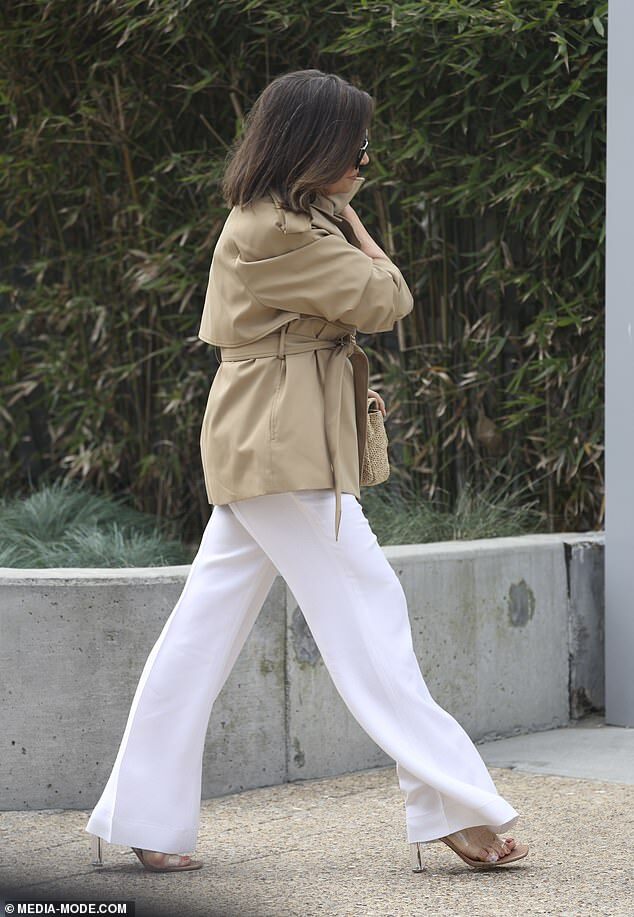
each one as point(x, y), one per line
point(324, 275)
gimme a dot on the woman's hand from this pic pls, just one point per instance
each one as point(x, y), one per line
point(367, 243)
point(348, 213)
point(380, 402)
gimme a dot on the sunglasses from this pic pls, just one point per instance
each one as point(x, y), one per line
point(361, 152)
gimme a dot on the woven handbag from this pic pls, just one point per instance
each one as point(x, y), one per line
point(376, 465)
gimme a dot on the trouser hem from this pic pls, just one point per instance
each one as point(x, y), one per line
point(496, 815)
point(140, 834)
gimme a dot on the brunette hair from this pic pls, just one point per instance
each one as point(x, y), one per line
point(302, 133)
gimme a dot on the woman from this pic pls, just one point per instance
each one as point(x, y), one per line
point(294, 275)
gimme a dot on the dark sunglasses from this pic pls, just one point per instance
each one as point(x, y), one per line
point(361, 152)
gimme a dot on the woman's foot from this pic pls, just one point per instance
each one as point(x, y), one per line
point(155, 861)
point(481, 843)
point(154, 858)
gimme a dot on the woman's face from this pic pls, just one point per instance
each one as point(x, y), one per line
point(345, 183)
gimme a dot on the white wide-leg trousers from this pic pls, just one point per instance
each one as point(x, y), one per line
point(357, 612)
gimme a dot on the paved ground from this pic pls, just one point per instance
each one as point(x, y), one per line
point(337, 846)
point(573, 752)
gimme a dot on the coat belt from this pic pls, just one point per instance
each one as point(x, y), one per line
point(283, 342)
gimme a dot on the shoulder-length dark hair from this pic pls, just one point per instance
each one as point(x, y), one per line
point(303, 133)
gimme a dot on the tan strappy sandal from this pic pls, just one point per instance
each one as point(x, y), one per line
point(416, 855)
point(173, 863)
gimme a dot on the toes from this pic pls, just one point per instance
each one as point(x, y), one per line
point(492, 849)
point(176, 859)
point(155, 858)
point(500, 848)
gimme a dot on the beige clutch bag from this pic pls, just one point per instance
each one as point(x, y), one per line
point(376, 466)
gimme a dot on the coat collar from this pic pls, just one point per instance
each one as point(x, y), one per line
point(334, 203)
point(330, 205)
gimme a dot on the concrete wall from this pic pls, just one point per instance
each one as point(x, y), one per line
point(586, 622)
point(508, 633)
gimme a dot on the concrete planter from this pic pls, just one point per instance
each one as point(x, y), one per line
point(508, 633)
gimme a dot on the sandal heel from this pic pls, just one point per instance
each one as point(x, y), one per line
point(96, 846)
point(416, 857)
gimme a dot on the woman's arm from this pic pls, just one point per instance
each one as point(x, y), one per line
point(370, 248)
point(317, 272)
point(368, 245)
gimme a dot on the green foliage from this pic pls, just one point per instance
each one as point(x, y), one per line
point(398, 516)
point(65, 525)
point(486, 184)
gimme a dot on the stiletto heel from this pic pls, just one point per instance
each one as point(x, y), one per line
point(96, 845)
point(416, 856)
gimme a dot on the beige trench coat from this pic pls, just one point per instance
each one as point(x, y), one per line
point(287, 408)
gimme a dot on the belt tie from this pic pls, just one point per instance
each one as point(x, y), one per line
point(343, 348)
